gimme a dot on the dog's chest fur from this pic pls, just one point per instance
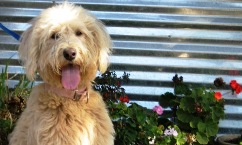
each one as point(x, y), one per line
point(65, 122)
point(57, 120)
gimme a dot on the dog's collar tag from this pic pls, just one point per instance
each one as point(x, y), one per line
point(78, 94)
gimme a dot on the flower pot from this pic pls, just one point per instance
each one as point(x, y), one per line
point(232, 139)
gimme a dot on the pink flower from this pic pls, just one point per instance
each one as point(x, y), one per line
point(158, 110)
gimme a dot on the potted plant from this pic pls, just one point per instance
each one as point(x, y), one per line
point(196, 111)
point(194, 116)
point(232, 139)
point(133, 123)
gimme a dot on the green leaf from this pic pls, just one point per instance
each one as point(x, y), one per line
point(201, 127)
point(217, 113)
point(182, 89)
point(131, 123)
point(184, 116)
point(211, 128)
point(194, 122)
point(166, 100)
point(141, 118)
point(202, 138)
point(181, 139)
point(187, 104)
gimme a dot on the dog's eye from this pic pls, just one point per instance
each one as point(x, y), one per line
point(55, 36)
point(78, 33)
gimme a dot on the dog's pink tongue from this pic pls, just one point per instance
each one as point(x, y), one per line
point(70, 77)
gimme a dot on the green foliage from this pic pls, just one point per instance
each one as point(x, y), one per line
point(202, 112)
point(12, 102)
point(133, 123)
point(109, 85)
point(197, 111)
point(4, 91)
point(168, 99)
point(194, 118)
point(180, 139)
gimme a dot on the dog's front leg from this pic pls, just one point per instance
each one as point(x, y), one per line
point(20, 134)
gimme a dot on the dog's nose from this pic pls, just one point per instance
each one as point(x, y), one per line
point(69, 54)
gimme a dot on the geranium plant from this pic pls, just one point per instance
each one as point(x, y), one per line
point(193, 119)
point(109, 85)
point(133, 123)
point(196, 111)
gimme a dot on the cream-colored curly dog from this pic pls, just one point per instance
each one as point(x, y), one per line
point(65, 45)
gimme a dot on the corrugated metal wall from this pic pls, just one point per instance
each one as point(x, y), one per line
point(153, 40)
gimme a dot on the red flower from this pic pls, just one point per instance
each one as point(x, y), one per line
point(217, 96)
point(118, 84)
point(235, 86)
point(238, 89)
point(124, 99)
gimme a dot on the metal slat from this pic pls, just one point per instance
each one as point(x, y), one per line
point(178, 62)
point(139, 17)
point(178, 47)
point(157, 32)
point(8, 40)
point(13, 69)
point(19, 12)
point(188, 77)
point(176, 33)
point(155, 46)
point(8, 54)
point(171, 19)
point(154, 3)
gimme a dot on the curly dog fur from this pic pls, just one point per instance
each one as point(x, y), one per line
point(65, 45)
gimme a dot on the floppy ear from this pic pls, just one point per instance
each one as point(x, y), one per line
point(28, 53)
point(103, 42)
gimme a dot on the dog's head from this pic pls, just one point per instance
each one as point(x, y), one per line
point(65, 45)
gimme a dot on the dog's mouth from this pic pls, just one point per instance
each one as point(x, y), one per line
point(70, 76)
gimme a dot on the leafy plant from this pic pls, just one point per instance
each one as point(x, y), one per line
point(4, 91)
point(133, 123)
point(12, 102)
point(109, 85)
point(196, 111)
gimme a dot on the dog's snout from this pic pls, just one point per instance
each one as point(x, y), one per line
point(69, 54)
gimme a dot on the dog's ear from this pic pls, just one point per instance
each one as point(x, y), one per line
point(102, 40)
point(28, 53)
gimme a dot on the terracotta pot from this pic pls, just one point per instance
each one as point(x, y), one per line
point(232, 139)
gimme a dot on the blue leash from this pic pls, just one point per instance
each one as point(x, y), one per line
point(15, 35)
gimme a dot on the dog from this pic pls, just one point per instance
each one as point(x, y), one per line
point(66, 46)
